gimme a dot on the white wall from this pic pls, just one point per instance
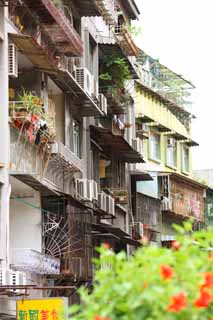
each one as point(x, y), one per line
point(25, 224)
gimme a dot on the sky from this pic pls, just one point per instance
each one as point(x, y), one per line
point(179, 34)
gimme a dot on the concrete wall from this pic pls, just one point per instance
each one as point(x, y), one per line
point(59, 117)
point(4, 141)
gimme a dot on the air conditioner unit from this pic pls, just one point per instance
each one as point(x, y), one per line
point(86, 189)
point(102, 201)
point(12, 278)
point(12, 60)
point(138, 230)
point(103, 103)
point(110, 205)
point(95, 89)
point(95, 190)
point(85, 79)
point(137, 144)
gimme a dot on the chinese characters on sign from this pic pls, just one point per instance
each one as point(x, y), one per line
point(46, 309)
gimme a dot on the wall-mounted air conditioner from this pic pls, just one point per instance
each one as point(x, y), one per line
point(103, 103)
point(85, 79)
point(110, 205)
point(95, 89)
point(137, 145)
point(12, 278)
point(138, 230)
point(86, 189)
point(102, 200)
point(12, 60)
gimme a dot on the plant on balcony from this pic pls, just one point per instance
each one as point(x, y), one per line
point(114, 74)
point(32, 104)
point(155, 283)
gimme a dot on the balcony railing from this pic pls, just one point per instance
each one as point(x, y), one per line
point(180, 97)
point(66, 158)
point(27, 157)
point(186, 207)
point(125, 40)
point(32, 261)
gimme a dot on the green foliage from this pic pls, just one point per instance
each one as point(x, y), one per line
point(114, 73)
point(134, 288)
point(32, 103)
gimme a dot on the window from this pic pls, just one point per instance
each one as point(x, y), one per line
point(76, 138)
point(171, 152)
point(154, 146)
point(185, 159)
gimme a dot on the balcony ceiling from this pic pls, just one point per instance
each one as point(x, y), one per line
point(130, 8)
point(58, 27)
point(86, 8)
point(87, 106)
point(112, 143)
point(35, 53)
point(115, 49)
point(118, 234)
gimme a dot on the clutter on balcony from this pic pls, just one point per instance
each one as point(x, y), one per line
point(28, 115)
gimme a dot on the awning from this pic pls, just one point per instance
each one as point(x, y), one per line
point(142, 118)
point(106, 230)
point(159, 127)
point(87, 106)
point(35, 53)
point(116, 144)
point(176, 136)
point(191, 143)
point(140, 176)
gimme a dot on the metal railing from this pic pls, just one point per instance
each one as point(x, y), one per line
point(66, 157)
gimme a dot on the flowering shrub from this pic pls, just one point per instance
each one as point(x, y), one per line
point(155, 283)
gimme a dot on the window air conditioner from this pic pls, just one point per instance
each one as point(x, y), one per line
point(102, 200)
point(12, 60)
point(85, 79)
point(103, 103)
point(86, 189)
point(110, 205)
point(95, 89)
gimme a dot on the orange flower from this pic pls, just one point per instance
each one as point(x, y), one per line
point(208, 276)
point(178, 302)
point(175, 245)
point(101, 318)
point(166, 272)
point(211, 257)
point(204, 299)
point(106, 246)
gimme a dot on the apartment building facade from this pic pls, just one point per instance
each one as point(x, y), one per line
point(163, 129)
point(66, 143)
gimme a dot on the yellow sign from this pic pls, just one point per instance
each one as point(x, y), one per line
point(44, 309)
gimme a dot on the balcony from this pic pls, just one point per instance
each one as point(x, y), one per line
point(125, 40)
point(28, 260)
point(107, 9)
point(65, 158)
point(185, 197)
point(121, 196)
point(55, 24)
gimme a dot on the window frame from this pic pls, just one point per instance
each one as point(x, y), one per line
point(153, 133)
point(173, 163)
point(185, 169)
